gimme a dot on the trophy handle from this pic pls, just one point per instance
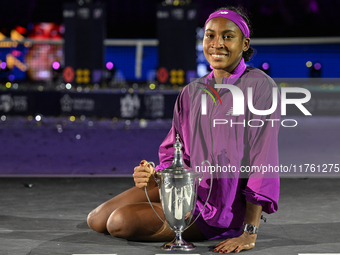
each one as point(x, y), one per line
point(147, 196)
point(211, 182)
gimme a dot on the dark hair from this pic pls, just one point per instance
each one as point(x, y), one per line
point(242, 12)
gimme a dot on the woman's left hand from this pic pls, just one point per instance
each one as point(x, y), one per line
point(237, 244)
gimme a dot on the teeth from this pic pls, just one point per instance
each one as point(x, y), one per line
point(218, 56)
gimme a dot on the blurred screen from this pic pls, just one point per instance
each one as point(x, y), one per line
point(22, 59)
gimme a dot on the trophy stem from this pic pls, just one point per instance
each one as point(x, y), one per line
point(178, 239)
point(178, 244)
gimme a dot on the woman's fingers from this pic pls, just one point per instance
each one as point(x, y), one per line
point(142, 174)
point(243, 242)
point(141, 184)
point(148, 166)
point(244, 247)
point(222, 242)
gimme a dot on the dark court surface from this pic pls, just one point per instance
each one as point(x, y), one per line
point(48, 216)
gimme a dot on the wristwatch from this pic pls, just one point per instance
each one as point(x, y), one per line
point(250, 229)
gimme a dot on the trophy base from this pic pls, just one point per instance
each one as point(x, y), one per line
point(178, 245)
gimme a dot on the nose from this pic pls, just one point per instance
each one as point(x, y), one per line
point(218, 42)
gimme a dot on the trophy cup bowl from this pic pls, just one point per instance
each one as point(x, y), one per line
point(178, 193)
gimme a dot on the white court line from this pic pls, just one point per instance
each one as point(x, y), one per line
point(319, 254)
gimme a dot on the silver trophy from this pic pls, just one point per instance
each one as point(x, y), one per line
point(178, 193)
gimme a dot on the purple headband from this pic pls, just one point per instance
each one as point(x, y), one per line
point(234, 17)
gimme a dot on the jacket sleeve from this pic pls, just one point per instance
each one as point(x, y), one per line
point(180, 126)
point(263, 184)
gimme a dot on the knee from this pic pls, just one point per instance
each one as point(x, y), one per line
point(97, 221)
point(121, 223)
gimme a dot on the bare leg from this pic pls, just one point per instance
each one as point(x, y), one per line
point(97, 219)
point(128, 215)
point(139, 222)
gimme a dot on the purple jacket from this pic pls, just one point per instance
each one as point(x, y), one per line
point(243, 141)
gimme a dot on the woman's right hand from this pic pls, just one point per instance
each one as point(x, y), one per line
point(143, 175)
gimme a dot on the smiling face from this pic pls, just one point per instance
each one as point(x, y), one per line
point(223, 45)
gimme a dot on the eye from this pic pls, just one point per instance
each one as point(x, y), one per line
point(228, 37)
point(209, 36)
